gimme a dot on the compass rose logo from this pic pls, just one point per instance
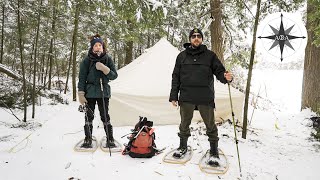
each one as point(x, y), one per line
point(281, 37)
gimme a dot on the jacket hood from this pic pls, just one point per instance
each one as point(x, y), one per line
point(193, 51)
point(185, 45)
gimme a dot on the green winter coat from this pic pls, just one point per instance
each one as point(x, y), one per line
point(89, 76)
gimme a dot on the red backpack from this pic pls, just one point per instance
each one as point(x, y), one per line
point(141, 141)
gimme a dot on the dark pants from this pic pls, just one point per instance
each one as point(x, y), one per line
point(91, 107)
point(207, 114)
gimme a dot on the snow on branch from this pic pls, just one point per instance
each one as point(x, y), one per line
point(9, 72)
point(4, 69)
point(154, 3)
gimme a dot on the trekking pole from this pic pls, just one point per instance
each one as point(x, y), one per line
point(234, 128)
point(105, 116)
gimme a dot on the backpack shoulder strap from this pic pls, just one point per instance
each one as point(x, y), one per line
point(90, 66)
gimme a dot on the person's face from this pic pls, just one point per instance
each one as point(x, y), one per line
point(97, 47)
point(196, 39)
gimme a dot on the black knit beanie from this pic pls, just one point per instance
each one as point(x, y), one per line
point(195, 30)
point(95, 40)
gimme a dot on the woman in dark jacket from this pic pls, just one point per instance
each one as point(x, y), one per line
point(96, 68)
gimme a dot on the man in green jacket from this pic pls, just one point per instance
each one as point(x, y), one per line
point(97, 67)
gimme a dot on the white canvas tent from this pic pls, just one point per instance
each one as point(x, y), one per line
point(143, 87)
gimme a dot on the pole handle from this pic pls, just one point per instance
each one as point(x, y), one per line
point(101, 84)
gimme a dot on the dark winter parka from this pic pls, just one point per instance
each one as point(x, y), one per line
point(89, 76)
point(192, 76)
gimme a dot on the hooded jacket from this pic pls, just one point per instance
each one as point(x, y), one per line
point(89, 76)
point(192, 77)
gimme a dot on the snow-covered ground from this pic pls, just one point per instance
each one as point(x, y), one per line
point(278, 144)
point(282, 87)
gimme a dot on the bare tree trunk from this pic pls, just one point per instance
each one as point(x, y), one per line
point(35, 62)
point(74, 61)
point(183, 39)
point(2, 35)
point(128, 46)
point(46, 73)
point(158, 36)
point(119, 57)
point(115, 58)
point(311, 80)
point(30, 64)
point(54, 17)
point(24, 86)
point(253, 47)
point(128, 49)
point(40, 76)
point(56, 62)
point(50, 59)
point(69, 65)
point(43, 66)
point(14, 57)
point(168, 31)
point(172, 39)
point(148, 40)
point(217, 45)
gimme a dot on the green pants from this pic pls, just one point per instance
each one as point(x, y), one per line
point(207, 114)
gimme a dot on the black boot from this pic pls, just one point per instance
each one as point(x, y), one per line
point(214, 154)
point(109, 133)
point(87, 143)
point(214, 149)
point(182, 149)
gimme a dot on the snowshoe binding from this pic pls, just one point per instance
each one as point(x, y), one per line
point(87, 143)
point(180, 152)
point(214, 164)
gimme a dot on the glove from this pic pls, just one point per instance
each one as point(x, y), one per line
point(103, 68)
point(82, 99)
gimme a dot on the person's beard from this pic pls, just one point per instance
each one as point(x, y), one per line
point(196, 44)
